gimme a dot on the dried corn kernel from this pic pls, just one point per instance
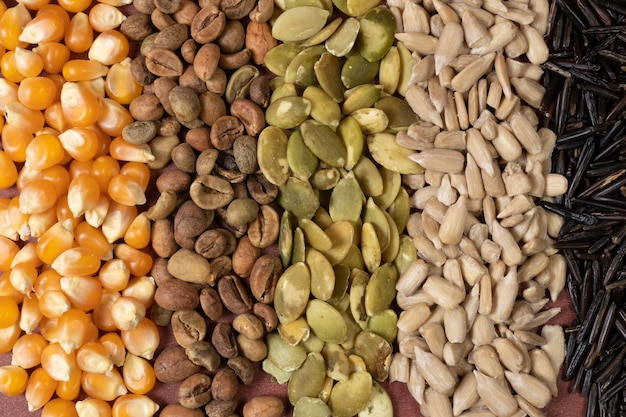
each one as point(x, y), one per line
point(134, 405)
point(58, 407)
point(70, 389)
point(44, 151)
point(39, 389)
point(120, 84)
point(9, 171)
point(113, 117)
point(106, 387)
point(115, 346)
point(73, 329)
point(80, 143)
point(103, 17)
point(53, 54)
point(58, 363)
point(30, 315)
point(77, 261)
point(138, 374)
point(37, 93)
point(93, 407)
point(79, 34)
point(27, 350)
point(138, 233)
point(144, 340)
point(8, 336)
point(28, 63)
point(13, 380)
point(11, 24)
point(93, 357)
point(83, 70)
point(83, 194)
point(23, 276)
point(9, 311)
point(109, 47)
point(83, 292)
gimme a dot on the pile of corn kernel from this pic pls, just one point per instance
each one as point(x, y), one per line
point(73, 274)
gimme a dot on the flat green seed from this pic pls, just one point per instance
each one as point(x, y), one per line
point(360, 97)
point(279, 57)
point(285, 356)
point(353, 259)
point(371, 120)
point(324, 143)
point(341, 5)
point(323, 34)
point(400, 114)
point(357, 71)
point(313, 344)
point(298, 197)
point(353, 328)
point(301, 70)
point(342, 277)
point(326, 322)
point(360, 7)
point(392, 181)
point(381, 289)
point(315, 235)
point(295, 331)
point(272, 155)
point(341, 234)
point(293, 290)
point(351, 134)
point(302, 161)
point(325, 178)
point(308, 380)
point(385, 151)
point(400, 209)
point(368, 176)
point(288, 112)
point(391, 251)
point(322, 218)
point(299, 246)
point(346, 200)
point(388, 74)
point(283, 90)
point(337, 362)
point(351, 396)
point(374, 215)
point(370, 247)
point(290, 4)
point(376, 352)
point(285, 239)
point(279, 375)
point(406, 68)
point(311, 407)
point(323, 108)
point(322, 274)
point(384, 324)
point(299, 23)
point(328, 73)
point(378, 27)
point(360, 279)
point(406, 254)
point(342, 41)
point(379, 404)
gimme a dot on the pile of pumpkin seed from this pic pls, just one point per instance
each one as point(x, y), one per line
point(330, 148)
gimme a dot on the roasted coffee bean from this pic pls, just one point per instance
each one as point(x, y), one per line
point(260, 189)
point(211, 303)
point(223, 340)
point(202, 353)
point(225, 384)
point(224, 132)
point(195, 391)
point(175, 295)
point(219, 408)
point(243, 369)
point(172, 365)
point(234, 294)
point(244, 257)
point(215, 242)
point(207, 25)
point(188, 326)
point(263, 277)
point(267, 314)
point(263, 231)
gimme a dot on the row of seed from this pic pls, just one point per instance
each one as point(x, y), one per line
point(74, 285)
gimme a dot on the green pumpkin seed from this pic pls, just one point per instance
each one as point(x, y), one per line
point(360, 279)
point(315, 235)
point(272, 155)
point(298, 197)
point(381, 289)
point(283, 90)
point(351, 396)
point(400, 209)
point(354, 259)
point(392, 181)
point(326, 322)
point(379, 404)
point(299, 246)
point(370, 247)
point(323, 108)
point(341, 5)
point(323, 34)
point(360, 97)
point(376, 352)
point(322, 218)
point(299, 23)
point(341, 235)
point(308, 380)
point(288, 112)
point(328, 73)
point(337, 362)
point(294, 332)
point(360, 7)
point(302, 161)
point(293, 290)
point(279, 57)
point(346, 200)
point(399, 113)
point(391, 251)
point(311, 407)
point(368, 176)
point(285, 239)
point(342, 280)
point(324, 143)
point(301, 70)
point(371, 120)
point(385, 150)
point(378, 28)
point(351, 134)
point(285, 356)
point(388, 74)
point(357, 71)
point(353, 329)
point(325, 178)
point(290, 4)
point(384, 324)
point(322, 274)
point(342, 41)
point(406, 68)
point(313, 344)
point(279, 375)
point(406, 254)
point(374, 215)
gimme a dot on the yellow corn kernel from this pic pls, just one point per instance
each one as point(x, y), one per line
point(9, 171)
point(92, 237)
point(38, 223)
point(141, 288)
point(48, 329)
point(28, 254)
point(125, 151)
point(83, 292)
point(58, 176)
point(8, 92)
point(78, 168)
point(54, 304)
point(138, 233)
point(93, 357)
point(118, 220)
point(114, 275)
point(37, 196)
point(39, 389)
point(79, 34)
point(13, 380)
point(105, 140)
point(144, 340)
point(53, 115)
point(73, 329)
point(138, 374)
point(55, 241)
point(127, 312)
point(74, 6)
point(44, 151)
point(8, 250)
point(18, 115)
point(6, 229)
point(106, 387)
point(113, 117)
point(23, 276)
point(139, 262)
point(8, 336)
point(102, 316)
point(58, 407)
point(92, 332)
point(11, 23)
point(7, 290)
point(95, 216)
point(18, 220)
point(103, 17)
point(81, 108)
point(93, 407)
point(77, 261)
point(8, 67)
point(45, 27)
point(37, 93)
point(103, 169)
point(27, 350)
point(30, 315)
point(9, 311)
point(83, 194)
point(120, 84)
point(34, 4)
point(125, 190)
point(116, 3)
point(134, 405)
point(58, 363)
point(53, 54)
point(113, 343)
point(47, 280)
point(83, 70)
point(138, 171)
point(109, 47)
point(80, 143)
point(28, 63)
point(14, 142)
point(70, 389)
